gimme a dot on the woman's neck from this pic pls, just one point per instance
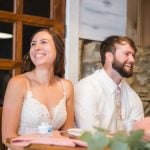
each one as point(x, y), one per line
point(44, 76)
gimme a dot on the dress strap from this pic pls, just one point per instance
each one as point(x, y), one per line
point(64, 87)
point(27, 83)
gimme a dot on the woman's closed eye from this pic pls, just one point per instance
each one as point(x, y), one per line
point(32, 43)
point(44, 41)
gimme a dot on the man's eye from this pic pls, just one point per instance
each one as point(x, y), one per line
point(127, 54)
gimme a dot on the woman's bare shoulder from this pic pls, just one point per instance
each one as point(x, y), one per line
point(69, 88)
point(16, 85)
point(18, 80)
point(68, 83)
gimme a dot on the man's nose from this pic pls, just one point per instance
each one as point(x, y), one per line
point(132, 58)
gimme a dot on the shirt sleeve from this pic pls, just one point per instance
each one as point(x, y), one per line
point(137, 112)
point(85, 105)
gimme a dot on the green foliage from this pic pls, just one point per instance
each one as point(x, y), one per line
point(99, 140)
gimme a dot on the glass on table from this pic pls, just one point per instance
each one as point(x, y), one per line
point(128, 125)
point(121, 125)
point(45, 129)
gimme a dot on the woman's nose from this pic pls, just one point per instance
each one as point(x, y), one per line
point(37, 46)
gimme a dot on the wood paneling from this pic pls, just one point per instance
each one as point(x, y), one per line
point(56, 20)
point(59, 16)
point(2, 146)
point(138, 21)
point(48, 147)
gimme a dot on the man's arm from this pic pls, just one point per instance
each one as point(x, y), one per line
point(137, 108)
point(145, 125)
point(85, 105)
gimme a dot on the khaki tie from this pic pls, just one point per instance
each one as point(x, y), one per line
point(116, 122)
point(117, 112)
point(118, 103)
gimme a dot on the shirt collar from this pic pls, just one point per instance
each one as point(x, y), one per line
point(109, 83)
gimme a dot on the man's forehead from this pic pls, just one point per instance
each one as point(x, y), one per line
point(124, 46)
point(122, 43)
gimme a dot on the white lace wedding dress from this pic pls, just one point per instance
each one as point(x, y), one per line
point(34, 112)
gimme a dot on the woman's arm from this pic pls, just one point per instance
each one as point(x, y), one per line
point(70, 105)
point(12, 108)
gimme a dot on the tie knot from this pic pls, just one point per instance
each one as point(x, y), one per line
point(118, 88)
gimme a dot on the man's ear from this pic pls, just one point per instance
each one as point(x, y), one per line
point(109, 57)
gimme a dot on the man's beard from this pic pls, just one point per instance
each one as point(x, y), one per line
point(120, 68)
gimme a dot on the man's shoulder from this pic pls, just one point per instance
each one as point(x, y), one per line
point(128, 87)
point(92, 78)
point(88, 87)
point(90, 83)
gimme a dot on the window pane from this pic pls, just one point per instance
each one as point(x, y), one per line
point(27, 33)
point(6, 5)
point(6, 40)
point(37, 8)
point(5, 75)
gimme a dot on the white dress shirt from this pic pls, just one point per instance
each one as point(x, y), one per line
point(94, 101)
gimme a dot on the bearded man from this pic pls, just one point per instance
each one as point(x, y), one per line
point(104, 99)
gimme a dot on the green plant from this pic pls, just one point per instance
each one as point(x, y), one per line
point(99, 140)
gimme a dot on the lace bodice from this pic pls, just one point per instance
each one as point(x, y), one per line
point(34, 112)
